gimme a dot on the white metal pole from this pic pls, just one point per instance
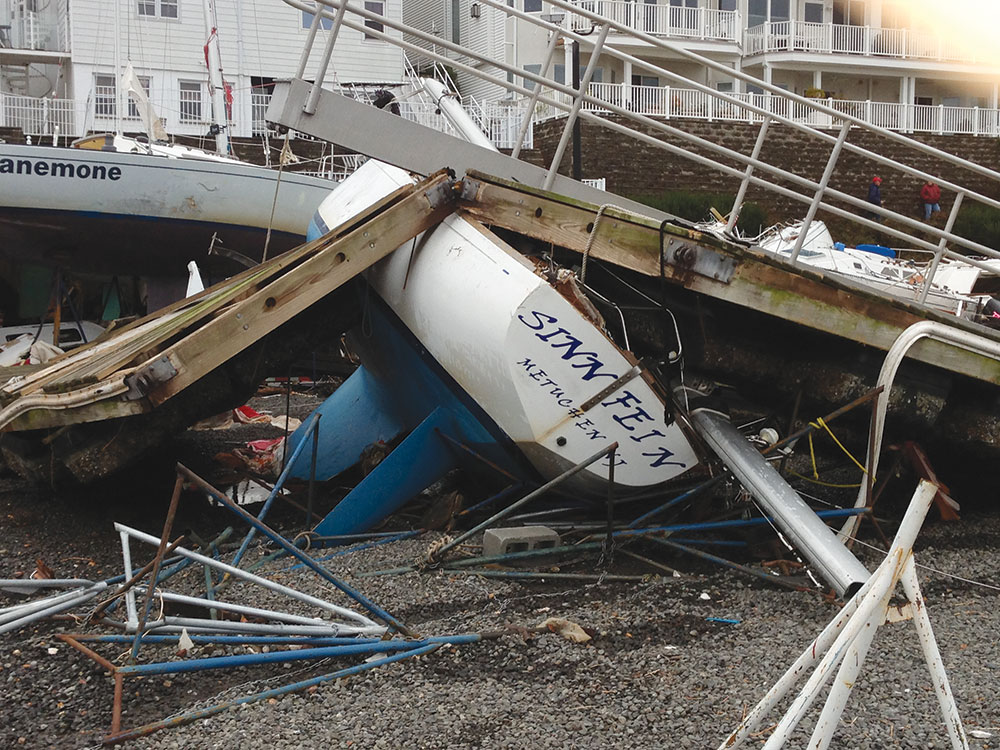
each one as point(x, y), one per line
point(118, 69)
point(932, 655)
point(215, 80)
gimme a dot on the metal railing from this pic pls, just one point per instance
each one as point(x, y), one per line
point(39, 117)
point(500, 121)
point(27, 30)
point(670, 102)
point(664, 20)
point(749, 169)
point(843, 39)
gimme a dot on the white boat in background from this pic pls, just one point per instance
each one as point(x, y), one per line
point(115, 212)
point(957, 288)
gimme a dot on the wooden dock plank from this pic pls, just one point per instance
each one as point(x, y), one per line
point(209, 339)
point(759, 281)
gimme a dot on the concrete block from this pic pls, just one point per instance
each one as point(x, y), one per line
point(518, 539)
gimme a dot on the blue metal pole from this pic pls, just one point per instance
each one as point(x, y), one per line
point(369, 545)
point(294, 551)
point(680, 498)
point(712, 525)
point(202, 713)
point(275, 491)
point(238, 639)
point(242, 660)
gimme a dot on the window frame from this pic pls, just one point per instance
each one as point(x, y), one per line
point(307, 19)
point(105, 105)
point(375, 25)
point(184, 111)
point(157, 6)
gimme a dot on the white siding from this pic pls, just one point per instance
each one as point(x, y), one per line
point(257, 38)
point(427, 16)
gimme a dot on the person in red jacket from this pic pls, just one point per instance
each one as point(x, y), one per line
point(930, 194)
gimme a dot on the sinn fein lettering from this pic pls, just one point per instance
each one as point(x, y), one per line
point(560, 338)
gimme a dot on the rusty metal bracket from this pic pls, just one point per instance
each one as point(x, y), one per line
point(688, 256)
point(440, 194)
point(141, 382)
point(468, 189)
point(604, 393)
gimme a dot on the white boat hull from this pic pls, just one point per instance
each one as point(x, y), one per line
point(521, 350)
point(134, 213)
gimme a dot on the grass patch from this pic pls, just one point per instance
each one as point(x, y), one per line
point(979, 223)
point(695, 205)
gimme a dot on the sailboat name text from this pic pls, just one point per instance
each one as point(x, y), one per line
point(45, 168)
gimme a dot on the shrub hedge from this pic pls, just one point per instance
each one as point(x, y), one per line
point(695, 205)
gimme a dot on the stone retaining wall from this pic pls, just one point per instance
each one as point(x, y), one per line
point(634, 168)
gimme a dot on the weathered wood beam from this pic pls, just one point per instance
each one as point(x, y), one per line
point(95, 360)
point(759, 281)
point(241, 324)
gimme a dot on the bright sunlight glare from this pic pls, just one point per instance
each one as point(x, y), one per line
point(971, 25)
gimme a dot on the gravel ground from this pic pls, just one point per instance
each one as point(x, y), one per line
point(656, 674)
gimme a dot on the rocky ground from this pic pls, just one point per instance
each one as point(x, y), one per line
point(673, 661)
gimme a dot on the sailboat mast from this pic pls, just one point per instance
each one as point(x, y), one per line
point(215, 82)
point(118, 68)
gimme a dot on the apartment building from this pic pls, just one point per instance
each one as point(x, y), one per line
point(872, 58)
point(58, 60)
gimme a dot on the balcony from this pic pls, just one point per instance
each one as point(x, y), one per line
point(670, 102)
point(840, 39)
point(664, 20)
point(42, 117)
point(29, 31)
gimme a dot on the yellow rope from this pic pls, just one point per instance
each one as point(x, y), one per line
point(819, 423)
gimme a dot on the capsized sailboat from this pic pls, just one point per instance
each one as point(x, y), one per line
point(469, 342)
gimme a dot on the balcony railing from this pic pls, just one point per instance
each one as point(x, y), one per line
point(500, 121)
point(27, 30)
point(684, 103)
point(664, 20)
point(841, 39)
point(41, 117)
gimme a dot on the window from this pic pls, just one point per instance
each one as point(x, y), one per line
point(374, 6)
point(532, 6)
point(456, 21)
point(814, 13)
point(105, 92)
point(645, 81)
point(190, 101)
point(850, 12)
point(154, 8)
point(757, 12)
point(779, 10)
point(724, 87)
point(133, 111)
point(307, 21)
point(727, 4)
point(537, 70)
